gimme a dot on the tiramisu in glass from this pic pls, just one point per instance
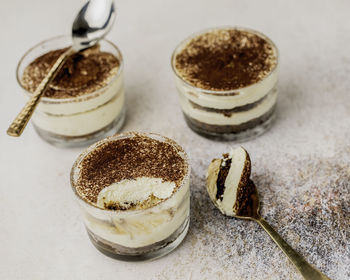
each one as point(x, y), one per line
point(85, 101)
point(227, 82)
point(133, 190)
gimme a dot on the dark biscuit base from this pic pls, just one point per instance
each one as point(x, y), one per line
point(135, 254)
point(246, 204)
point(210, 128)
point(220, 183)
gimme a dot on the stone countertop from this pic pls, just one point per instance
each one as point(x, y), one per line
point(301, 166)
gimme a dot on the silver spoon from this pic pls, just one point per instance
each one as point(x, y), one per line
point(92, 23)
point(246, 203)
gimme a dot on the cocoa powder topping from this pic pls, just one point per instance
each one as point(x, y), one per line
point(226, 59)
point(82, 73)
point(129, 158)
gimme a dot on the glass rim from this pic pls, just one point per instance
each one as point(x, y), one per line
point(227, 27)
point(69, 99)
point(124, 135)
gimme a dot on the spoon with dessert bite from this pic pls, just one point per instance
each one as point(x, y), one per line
point(92, 23)
point(235, 194)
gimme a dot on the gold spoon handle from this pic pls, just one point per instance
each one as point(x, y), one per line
point(306, 269)
point(17, 126)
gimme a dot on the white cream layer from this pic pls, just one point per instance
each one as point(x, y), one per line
point(215, 118)
point(83, 115)
point(139, 228)
point(233, 178)
point(133, 192)
point(226, 205)
point(243, 96)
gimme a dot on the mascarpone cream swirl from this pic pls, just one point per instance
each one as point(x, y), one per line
point(138, 193)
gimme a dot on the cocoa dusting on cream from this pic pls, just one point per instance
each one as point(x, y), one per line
point(226, 59)
point(82, 73)
point(129, 158)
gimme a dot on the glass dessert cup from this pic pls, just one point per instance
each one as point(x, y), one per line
point(238, 114)
point(136, 234)
point(80, 120)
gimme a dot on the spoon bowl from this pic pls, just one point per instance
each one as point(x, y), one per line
point(93, 22)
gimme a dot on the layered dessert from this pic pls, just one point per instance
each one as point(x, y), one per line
point(227, 82)
point(228, 183)
point(133, 190)
point(86, 98)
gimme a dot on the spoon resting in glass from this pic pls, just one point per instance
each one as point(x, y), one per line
point(234, 194)
point(92, 23)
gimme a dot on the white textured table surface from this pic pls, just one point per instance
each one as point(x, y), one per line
point(301, 166)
